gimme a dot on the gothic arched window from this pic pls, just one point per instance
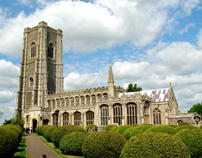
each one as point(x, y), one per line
point(54, 119)
point(31, 81)
point(131, 113)
point(104, 115)
point(88, 100)
point(117, 114)
point(93, 99)
point(157, 117)
point(33, 50)
point(77, 118)
point(65, 118)
point(82, 100)
point(89, 118)
point(50, 50)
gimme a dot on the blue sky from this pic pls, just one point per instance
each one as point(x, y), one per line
point(150, 43)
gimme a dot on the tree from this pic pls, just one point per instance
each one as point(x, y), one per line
point(196, 108)
point(18, 120)
point(133, 88)
point(7, 122)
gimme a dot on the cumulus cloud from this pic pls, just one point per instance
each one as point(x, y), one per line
point(177, 62)
point(200, 39)
point(187, 27)
point(91, 26)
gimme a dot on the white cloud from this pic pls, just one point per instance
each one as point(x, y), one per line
point(184, 30)
point(91, 26)
point(200, 39)
point(7, 96)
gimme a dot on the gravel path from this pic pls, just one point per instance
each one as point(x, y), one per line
point(37, 149)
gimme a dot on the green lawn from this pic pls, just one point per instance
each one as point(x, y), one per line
point(22, 148)
point(56, 150)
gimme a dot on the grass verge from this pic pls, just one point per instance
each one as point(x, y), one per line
point(56, 150)
point(22, 148)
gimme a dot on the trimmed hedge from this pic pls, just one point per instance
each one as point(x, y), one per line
point(121, 129)
point(71, 144)
point(127, 132)
point(8, 142)
point(38, 129)
point(109, 127)
point(140, 129)
point(193, 140)
point(103, 144)
point(154, 145)
point(49, 132)
point(45, 128)
point(174, 126)
point(179, 128)
point(113, 129)
point(161, 129)
point(183, 123)
point(58, 133)
point(94, 127)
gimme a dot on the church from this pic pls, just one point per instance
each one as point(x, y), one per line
point(41, 99)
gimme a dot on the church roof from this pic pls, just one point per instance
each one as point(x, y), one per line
point(158, 95)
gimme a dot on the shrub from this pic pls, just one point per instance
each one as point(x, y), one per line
point(200, 127)
point(49, 132)
point(8, 142)
point(71, 144)
point(174, 126)
point(179, 128)
point(127, 132)
point(45, 128)
point(183, 123)
point(161, 129)
point(113, 129)
point(109, 127)
point(154, 145)
point(38, 129)
point(103, 144)
point(91, 127)
point(62, 130)
point(193, 140)
point(121, 129)
point(139, 130)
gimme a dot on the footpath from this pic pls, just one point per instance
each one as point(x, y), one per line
point(37, 149)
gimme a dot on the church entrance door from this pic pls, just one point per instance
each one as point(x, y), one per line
point(34, 125)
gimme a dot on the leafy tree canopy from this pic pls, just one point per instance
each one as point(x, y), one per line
point(196, 108)
point(133, 88)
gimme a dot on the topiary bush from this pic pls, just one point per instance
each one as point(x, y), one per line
point(155, 145)
point(127, 132)
point(49, 132)
point(140, 129)
point(161, 129)
point(89, 128)
point(38, 129)
point(113, 129)
point(8, 142)
point(121, 129)
point(71, 144)
point(103, 144)
point(174, 126)
point(200, 127)
point(45, 128)
point(183, 123)
point(193, 140)
point(179, 128)
point(62, 130)
point(109, 127)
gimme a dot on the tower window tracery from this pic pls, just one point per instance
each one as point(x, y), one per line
point(31, 81)
point(33, 49)
point(50, 50)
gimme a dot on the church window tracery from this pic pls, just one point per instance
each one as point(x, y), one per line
point(117, 114)
point(33, 49)
point(131, 113)
point(72, 101)
point(54, 119)
point(65, 118)
point(93, 99)
point(77, 118)
point(157, 117)
point(104, 115)
point(50, 50)
point(105, 96)
point(89, 118)
point(77, 101)
point(82, 100)
point(67, 102)
point(62, 103)
point(88, 100)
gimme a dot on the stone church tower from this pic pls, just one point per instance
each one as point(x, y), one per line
point(41, 66)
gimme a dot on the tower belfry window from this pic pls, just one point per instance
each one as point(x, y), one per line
point(33, 50)
point(50, 50)
point(31, 81)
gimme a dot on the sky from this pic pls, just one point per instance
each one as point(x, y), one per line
point(150, 43)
